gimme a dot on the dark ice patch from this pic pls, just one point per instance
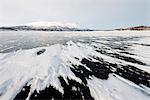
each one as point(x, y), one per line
point(81, 91)
point(133, 74)
point(41, 51)
point(142, 44)
point(126, 52)
point(23, 93)
point(47, 94)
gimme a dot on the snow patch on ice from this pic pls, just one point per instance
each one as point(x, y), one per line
point(115, 89)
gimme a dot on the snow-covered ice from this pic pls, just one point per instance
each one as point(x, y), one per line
point(94, 65)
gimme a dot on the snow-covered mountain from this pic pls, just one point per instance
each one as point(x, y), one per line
point(46, 26)
point(52, 24)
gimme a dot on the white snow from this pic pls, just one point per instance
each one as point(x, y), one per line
point(116, 88)
point(53, 24)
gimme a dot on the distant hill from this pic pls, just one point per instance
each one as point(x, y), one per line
point(45, 26)
point(136, 28)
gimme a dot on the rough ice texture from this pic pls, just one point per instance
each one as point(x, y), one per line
point(99, 65)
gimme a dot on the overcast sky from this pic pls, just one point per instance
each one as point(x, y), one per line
point(97, 14)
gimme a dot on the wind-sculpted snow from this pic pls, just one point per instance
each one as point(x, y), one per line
point(105, 68)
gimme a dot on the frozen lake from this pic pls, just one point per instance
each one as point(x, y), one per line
point(108, 65)
point(11, 41)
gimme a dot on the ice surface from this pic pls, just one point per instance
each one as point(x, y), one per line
point(56, 54)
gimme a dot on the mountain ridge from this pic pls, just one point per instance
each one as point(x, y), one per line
point(45, 26)
point(136, 28)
